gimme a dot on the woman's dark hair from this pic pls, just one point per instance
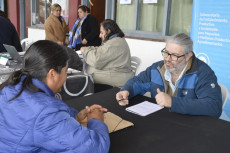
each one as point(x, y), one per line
point(40, 57)
point(84, 8)
point(111, 25)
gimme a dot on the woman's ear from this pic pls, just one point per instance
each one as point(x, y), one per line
point(51, 78)
point(51, 74)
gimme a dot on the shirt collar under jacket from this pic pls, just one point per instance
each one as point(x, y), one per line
point(167, 76)
point(114, 35)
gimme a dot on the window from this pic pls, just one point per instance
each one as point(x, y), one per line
point(151, 20)
point(125, 16)
point(3, 6)
point(41, 11)
point(181, 15)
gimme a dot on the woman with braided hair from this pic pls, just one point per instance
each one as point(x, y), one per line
point(33, 120)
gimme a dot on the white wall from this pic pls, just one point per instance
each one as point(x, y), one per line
point(148, 51)
point(36, 34)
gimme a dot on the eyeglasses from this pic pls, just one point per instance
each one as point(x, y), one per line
point(173, 57)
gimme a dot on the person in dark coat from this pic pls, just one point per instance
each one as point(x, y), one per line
point(8, 35)
point(85, 31)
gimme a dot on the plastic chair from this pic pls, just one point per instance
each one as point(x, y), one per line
point(224, 92)
point(27, 42)
point(135, 62)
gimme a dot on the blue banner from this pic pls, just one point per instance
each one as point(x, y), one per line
point(210, 31)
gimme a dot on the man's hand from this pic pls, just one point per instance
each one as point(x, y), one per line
point(66, 40)
point(84, 41)
point(122, 98)
point(60, 43)
point(82, 49)
point(163, 99)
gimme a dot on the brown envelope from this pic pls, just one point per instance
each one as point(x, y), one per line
point(115, 122)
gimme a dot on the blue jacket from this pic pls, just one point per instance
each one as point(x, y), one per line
point(198, 92)
point(38, 122)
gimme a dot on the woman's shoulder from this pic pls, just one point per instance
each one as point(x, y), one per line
point(43, 101)
point(90, 18)
point(51, 19)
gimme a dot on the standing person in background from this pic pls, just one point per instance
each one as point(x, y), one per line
point(33, 120)
point(8, 34)
point(56, 29)
point(85, 30)
point(109, 63)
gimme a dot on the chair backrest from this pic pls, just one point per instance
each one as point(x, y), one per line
point(135, 62)
point(224, 92)
point(27, 42)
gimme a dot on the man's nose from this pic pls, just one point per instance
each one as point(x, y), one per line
point(168, 58)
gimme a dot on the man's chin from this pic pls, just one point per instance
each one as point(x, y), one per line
point(172, 70)
point(169, 68)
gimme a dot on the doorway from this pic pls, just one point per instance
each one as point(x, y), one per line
point(98, 10)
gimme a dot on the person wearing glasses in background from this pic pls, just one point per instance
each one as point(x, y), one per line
point(56, 29)
point(181, 82)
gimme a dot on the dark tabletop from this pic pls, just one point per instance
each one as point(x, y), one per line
point(162, 131)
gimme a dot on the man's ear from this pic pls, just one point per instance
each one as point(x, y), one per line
point(190, 54)
point(109, 31)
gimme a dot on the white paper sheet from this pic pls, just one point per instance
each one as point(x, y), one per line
point(125, 1)
point(143, 109)
point(149, 1)
point(3, 60)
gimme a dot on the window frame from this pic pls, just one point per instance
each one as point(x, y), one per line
point(46, 13)
point(110, 13)
point(34, 10)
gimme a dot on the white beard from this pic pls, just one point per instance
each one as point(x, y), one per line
point(178, 68)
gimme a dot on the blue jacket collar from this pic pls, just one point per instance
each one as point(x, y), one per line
point(41, 85)
point(114, 35)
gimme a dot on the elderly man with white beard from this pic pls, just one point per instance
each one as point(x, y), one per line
point(180, 82)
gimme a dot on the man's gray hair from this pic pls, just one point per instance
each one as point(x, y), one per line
point(183, 40)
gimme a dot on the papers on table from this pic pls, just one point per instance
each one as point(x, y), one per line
point(144, 108)
point(79, 54)
point(3, 60)
point(72, 71)
point(22, 53)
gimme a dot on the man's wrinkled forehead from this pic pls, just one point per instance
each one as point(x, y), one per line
point(174, 48)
